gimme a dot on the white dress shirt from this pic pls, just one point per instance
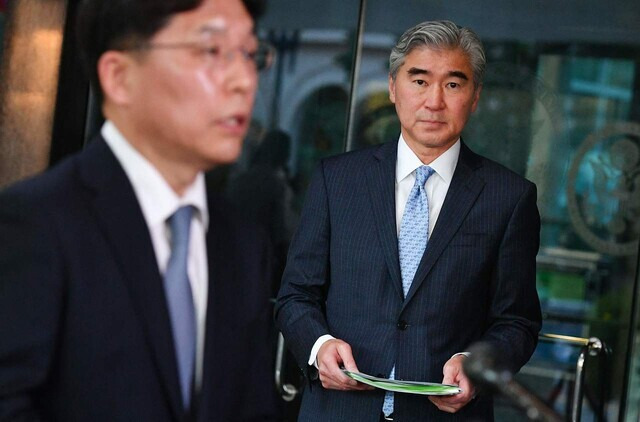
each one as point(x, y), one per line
point(158, 202)
point(436, 187)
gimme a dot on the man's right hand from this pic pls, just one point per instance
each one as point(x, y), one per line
point(332, 355)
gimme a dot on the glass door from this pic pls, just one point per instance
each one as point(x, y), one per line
point(561, 106)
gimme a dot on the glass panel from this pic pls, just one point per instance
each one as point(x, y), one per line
point(299, 117)
point(300, 112)
point(633, 398)
point(561, 106)
point(29, 64)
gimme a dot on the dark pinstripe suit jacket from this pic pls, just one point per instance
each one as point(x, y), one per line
point(476, 280)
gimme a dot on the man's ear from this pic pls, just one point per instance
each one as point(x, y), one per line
point(392, 90)
point(114, 73)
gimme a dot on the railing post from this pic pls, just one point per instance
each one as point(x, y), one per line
point(576, 408)
point(288, 392)
point(594, 347)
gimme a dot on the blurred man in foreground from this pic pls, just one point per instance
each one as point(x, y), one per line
point(125, 292)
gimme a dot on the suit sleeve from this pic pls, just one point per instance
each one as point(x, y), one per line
point(300, 311)
point(515, 317)
point(30, 304)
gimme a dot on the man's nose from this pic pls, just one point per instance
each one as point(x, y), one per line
point(242, 74)
point(434, 98)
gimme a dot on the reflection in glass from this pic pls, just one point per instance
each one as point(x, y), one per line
point(299, 116)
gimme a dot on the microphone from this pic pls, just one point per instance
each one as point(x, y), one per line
point(487, 371)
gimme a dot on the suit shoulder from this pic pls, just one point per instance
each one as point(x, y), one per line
point(47, 189)
point(357, 159)
point(498, 173)
point(355, 156)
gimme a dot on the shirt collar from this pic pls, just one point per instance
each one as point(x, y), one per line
point(157, 200)
point(444, 166)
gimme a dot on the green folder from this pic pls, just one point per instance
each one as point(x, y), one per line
point(400, 386)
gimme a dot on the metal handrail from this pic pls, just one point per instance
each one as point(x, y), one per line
point(288, 392)
point(594, 347)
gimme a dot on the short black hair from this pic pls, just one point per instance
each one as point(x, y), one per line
point(255, 8)
point(104, 25)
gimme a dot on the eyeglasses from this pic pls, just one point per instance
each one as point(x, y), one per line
point(262, 57)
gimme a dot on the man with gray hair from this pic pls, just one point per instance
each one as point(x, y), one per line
point(410, 251)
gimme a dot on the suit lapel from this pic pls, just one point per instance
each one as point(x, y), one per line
point(122, 223)
point(381, 182)
point(462, 194)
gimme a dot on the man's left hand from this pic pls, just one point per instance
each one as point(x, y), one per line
point(453, 375)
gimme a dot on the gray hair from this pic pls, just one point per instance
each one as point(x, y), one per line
point(439, 35)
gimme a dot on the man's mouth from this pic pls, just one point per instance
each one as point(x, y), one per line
point(235, 124)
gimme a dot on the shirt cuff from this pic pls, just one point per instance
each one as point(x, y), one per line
point(316, 347)
point(461, 353)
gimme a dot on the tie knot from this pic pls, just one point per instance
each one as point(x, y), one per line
point(180, 223)
point(422, 174)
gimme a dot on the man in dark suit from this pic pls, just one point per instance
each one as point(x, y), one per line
point(409, 252)
point(127, 294)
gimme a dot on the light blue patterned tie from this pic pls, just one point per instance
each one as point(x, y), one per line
point(180, 300)
point(412, 241)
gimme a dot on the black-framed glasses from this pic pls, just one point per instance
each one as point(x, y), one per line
point(262, 57)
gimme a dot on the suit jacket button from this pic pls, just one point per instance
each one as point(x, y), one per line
point(402, 325)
